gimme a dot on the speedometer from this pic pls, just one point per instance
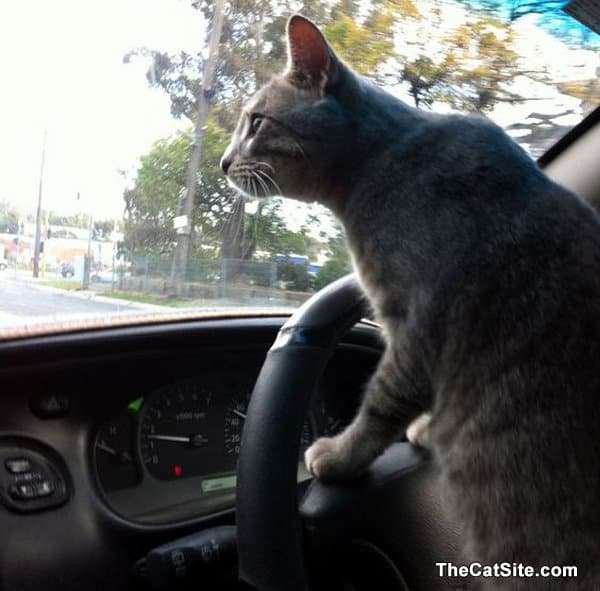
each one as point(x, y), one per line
point(235, 417)
point(177, 436)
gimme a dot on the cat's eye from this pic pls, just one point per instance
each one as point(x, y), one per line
point(255, 123)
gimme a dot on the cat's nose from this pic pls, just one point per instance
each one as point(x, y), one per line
point(225, 163)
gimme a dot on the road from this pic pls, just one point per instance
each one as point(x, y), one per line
point(23, 302)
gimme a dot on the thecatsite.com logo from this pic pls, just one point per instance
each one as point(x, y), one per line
point(504, 570)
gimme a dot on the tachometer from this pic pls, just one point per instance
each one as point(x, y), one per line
point(177, 438)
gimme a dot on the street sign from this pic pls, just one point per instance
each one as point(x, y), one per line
point(180, 221)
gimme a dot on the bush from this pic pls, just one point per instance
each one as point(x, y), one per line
point(295, 277)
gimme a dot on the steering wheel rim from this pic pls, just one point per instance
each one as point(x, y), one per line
point(399, 488)
point(269, 528)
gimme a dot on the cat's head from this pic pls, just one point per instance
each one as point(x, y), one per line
point(293, 132)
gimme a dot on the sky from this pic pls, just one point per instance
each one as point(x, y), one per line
point(62, 71)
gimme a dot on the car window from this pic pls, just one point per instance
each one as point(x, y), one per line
point(100, 130)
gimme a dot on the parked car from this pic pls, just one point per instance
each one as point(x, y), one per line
point(67, 270)
point(100, 276)
point(108, 275)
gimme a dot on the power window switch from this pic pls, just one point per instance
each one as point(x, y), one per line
point(43, 488)
point(22, 492)
point(17, 465)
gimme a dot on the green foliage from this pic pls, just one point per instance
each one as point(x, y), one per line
point(295, 277)
point(363, 46)
point(335, 267)
point(268, 234)
point(155, 200)
point(486, 64)
point(469, 66)
point(103, 229)
point(425, 78)
point(9, 218)
point(338, 262)
point(78, 220)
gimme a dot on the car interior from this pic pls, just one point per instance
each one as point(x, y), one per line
point(102, 486)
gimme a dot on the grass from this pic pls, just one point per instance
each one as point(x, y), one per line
point(144, 298)
point(122, 295)
point(157, 300)
point(62, 284)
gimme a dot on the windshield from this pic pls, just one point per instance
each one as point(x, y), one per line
point(114, 116)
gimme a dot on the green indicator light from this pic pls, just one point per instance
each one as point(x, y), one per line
point(136, 404)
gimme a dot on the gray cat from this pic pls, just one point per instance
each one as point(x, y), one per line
point(485, 277)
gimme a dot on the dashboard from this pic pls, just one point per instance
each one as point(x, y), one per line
point(128, 438)
point(172, 451)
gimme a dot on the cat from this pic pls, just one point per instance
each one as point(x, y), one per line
point(485, 278)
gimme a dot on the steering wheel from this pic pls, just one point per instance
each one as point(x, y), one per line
point(390, 525)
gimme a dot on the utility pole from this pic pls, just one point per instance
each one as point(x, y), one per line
point(87, 267)
point(38, 217)
point(185, 233)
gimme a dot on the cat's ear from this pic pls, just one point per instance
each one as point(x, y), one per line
point(311, 61)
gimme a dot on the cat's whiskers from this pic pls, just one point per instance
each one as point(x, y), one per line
point(271, 180)
point(249, 189)
point(263, 163)
point(245, 185)
point(256, 175)
point(254, 187)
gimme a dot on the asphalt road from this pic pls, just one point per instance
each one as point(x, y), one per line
point(22, 302)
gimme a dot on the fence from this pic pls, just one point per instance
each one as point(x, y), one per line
point(210, 282)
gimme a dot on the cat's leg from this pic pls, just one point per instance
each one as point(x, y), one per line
point(418, 431)
point(397, 392)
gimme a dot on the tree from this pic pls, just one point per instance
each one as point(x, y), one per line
point(9, 218)
point(469, 66)
point(252, 48)
point(239, 71)
point(103, 229)
point(154, 201)
point(271, 236)
point(78, 220)
point(294, 276)
point(364, 46)
point(338, 261)
point(486, 65)
point(587, 91)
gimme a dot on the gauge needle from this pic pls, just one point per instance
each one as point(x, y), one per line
point(109, 450)
point(123, 457)
point(195, 440)
point(239, 413)
point(176, 438)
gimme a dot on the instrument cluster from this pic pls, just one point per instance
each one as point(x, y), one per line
point(171, 453)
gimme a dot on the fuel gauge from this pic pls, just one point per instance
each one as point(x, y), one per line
point(113, 453)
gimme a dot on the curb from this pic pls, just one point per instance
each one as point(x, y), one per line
point(94, 296)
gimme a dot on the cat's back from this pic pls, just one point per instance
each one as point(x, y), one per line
point(495, 269)
point(517, 431)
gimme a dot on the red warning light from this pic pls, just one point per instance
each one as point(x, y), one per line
point(177, 470)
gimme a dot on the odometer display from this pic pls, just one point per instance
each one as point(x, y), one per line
point(177, 434)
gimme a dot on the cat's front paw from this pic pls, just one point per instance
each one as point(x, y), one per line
point(418, 431)
point(329, 460)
